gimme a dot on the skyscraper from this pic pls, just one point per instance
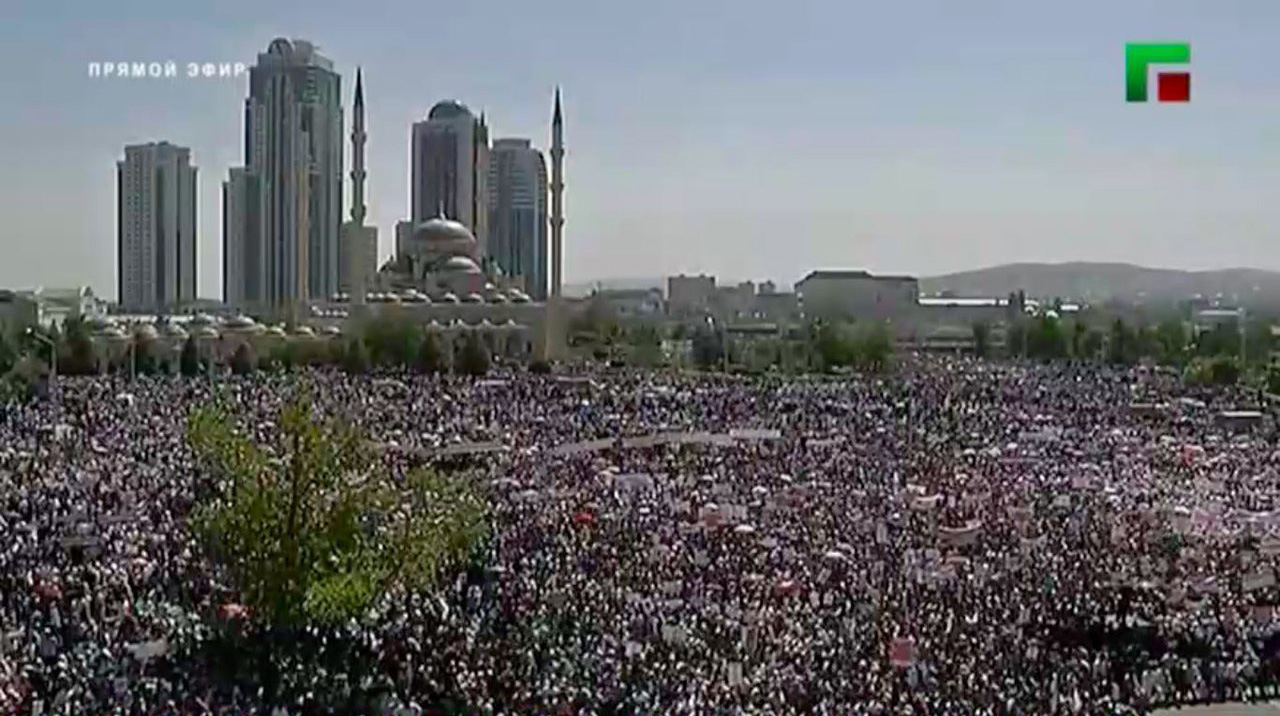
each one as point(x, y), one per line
point(359, 242)
point(156, 226)
point(518, 213)
point(450, 169)
point(287, 228)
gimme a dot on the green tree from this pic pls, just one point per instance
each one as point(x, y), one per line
point(392, 341)
point(1046, 339)
point(1016, 337)
point(144, 356)
point(314, 528)
point(1220, 371)
point(646, 345)
point(76, 354)
point(8, 350)
point(356, 358)
point(189, 360)
point(872, 347)
point(431, 356)
point(1122, 348)
point(708, 349)
point(24, 380)
point(982, 339)
point(473, 358)
point(833, 346)
point(1171, 339)
point(285, 355)
point(1079, 337)
point(243, 361)
point(1092, 343)
point(1221, 340)
point(1259, 341)
point(1273, 380)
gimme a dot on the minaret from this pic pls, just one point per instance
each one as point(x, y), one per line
point(359, 242)
point(554, 336)
point(357, 154)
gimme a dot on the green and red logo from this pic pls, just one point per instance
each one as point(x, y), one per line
point(1170, 86)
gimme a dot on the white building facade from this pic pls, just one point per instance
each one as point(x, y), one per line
point(156, 226)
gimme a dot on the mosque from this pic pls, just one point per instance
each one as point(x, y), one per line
point(440, 277)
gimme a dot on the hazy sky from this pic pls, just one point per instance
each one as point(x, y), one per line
point(746, 138)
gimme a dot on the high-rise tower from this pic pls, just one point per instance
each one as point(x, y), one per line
point(289, 221)
point(359, 242)
point(156, 223)
point(518, 213)
point(449, 168)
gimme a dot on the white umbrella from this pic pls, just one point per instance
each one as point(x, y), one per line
point(744, 529)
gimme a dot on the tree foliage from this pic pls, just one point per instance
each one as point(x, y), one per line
point(75, 353)
point(145, 361)
point(982, 339)
point(392, 340)
point(1273, 380)
point(1046, 339)
point(189, 359)
point(709, 349)
point(355, 359)
point(243, 361)
point(314, 528)
point(473, 358)
point(431, 356)
point(1221, 371)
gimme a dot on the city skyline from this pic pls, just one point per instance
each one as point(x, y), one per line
point(913, 139)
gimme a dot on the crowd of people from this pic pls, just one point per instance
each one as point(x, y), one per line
point(956, 537)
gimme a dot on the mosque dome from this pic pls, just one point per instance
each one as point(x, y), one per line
point(332, 331)
point(206, 331)
point(174, 330)
point(280, 46)
point(240, 323)
point(304, 331)
point(276, 331)
point(449, 297)
point(519, 297)
point(460, 264)
point(473, 298)
point(449, 109)
point(441, 235)
point(146, 331)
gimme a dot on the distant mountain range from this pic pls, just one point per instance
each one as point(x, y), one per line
point(1103, 281)
point(1076, 281)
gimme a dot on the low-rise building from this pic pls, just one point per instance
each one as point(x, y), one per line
point(690, 295)
point(857, 294)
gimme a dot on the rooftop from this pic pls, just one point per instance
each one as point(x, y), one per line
point(839, 274)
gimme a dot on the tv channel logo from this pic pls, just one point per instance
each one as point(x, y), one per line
point(1170, 86)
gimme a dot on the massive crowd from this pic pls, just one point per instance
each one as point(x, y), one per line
point(959, 537)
